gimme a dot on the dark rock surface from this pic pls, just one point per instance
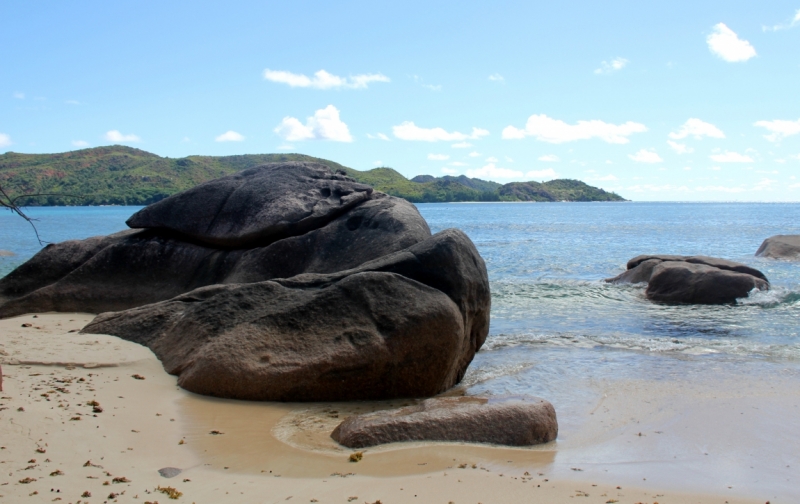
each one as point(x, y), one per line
point(780, 247)
point(137, 267)
point(511, 421)
point(692, 279)
point(256, 206)
point(404, 325)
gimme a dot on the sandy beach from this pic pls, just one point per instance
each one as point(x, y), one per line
point(92, 418)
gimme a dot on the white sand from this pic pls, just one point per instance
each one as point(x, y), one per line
point(269, 452)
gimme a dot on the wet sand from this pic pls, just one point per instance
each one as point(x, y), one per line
point(731, 441)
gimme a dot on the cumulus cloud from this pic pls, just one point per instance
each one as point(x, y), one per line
point(786, 25)
point(607, 67)
point(550, 158)
point(779, 129)
point(491, 171)
point(80, 143)
point(731, 157)
point(646, 156)
point(229, 136)
point(492, 159)
point(679, 147)
point(496, 77)
point(410, 131)
point(379, 136)
point(725, 44)
point(550, 130)
point(461, 145)
point(547, 174)
point(438, 157)
point(474, 154)
point(116, 136)
point(698, 129)
point(5, 140)
point(323, 125)
point(323, 80)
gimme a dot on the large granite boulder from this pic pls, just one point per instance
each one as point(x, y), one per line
point(256, 206)
point(404, 325)
point(780, 247)
point(692, 279)
point(137, 267)
point(504, 420)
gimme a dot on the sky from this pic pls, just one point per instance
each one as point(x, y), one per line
point(657, 101)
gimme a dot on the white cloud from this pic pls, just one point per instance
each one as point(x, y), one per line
point(116, 136)
point(409, 131)
point(550, 130)
point(438, 157)
point(509, 160)
point(80, 143)
point(496, 77)
point(646, 156)
point(607, 67)
point(680, 148)
point(547, 174)
point(780, 129)
point(492, 159)
point(323, 125)
point(379, 136)
point(378, 163)
point(698, 129)
point(449, 171)
point(474, 154)
point(550, 158)
point(323, 79)
point(458, 163)
point(19, 96)
point(491, 171)
point(461, 145)
point(5, 140)
point(724, 43)
point(785, 26)
point(229, 136)
point(731, 157)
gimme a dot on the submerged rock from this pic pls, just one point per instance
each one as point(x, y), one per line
point(509, 420)
point(692, 279)
point(780, 247)
point(255, 206)
point(404, 325)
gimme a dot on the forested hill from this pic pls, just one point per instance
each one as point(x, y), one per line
point(119, 175)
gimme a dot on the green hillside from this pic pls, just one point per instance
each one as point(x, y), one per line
point(119, 175)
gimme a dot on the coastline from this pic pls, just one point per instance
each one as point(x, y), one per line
point(151, 424)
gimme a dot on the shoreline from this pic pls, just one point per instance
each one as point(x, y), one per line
point(151, 424)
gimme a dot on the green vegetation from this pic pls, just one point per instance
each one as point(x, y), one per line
point(120, 175)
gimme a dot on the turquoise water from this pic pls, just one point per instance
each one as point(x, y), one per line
point(546, 263)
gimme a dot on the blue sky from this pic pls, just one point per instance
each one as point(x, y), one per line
point(654, 100)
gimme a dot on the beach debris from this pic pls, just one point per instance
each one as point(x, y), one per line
point(216, 433)
point(576, 468)
point(120, 479)
point(137, 377)
point(86, 494)
point(40, 450)
point(20, 409)
point(182, 441)
point(356, 457)
point(57, 472)
point(27, 480)
point(352, 498)
point(113, 495)
point(170, 492)
point(27, 324)
point(169, 472)
point(611, 501)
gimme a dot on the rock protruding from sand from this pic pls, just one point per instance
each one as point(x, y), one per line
point(511, 421)
point(256, 206)
point(780, 247)
point(137, 267)
point(692, 279)
point(404, 325)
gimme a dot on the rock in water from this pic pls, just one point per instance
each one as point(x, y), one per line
point(404, 325)
point(256, 206)
point(510, 420)
point(780, 247)
point(137, 267)
point(692, 279)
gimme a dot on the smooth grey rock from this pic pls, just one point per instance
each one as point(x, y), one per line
point(256, 206)
point(137, 267)
point(780, 247)
point(685, 282)
point(404, 325)
point(169, 472)
point(510, 420)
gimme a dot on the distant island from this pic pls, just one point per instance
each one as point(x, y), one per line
point(119, 175)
